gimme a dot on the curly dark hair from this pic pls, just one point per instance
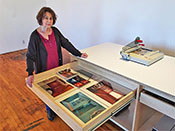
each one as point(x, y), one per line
point(42, 12)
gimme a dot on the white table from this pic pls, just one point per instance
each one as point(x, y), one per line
point(158, 78)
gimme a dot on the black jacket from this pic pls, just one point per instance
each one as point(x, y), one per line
point(37, 54)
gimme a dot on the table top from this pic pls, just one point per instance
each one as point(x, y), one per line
point(159, 75)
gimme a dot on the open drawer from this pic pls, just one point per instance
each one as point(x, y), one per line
point(158, 103)
point(82, 98)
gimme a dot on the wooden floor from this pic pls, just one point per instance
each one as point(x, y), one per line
point(20, 109)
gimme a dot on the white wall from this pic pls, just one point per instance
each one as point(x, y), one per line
point(17, 21)
point(89, 22)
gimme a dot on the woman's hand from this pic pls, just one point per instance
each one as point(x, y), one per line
point(84, 55)
point(30, 80)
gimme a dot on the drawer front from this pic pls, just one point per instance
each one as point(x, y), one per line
point(76, 124)
point(110, 112)
point(158, 104)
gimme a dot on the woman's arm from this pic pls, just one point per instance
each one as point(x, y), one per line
point(65, 43)
point(30, 59)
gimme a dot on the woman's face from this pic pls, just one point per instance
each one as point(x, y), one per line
point(47, 20)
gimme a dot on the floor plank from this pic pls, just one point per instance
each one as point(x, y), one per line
point(20, 108)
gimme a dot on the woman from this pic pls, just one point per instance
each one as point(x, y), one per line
point(44, 48)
